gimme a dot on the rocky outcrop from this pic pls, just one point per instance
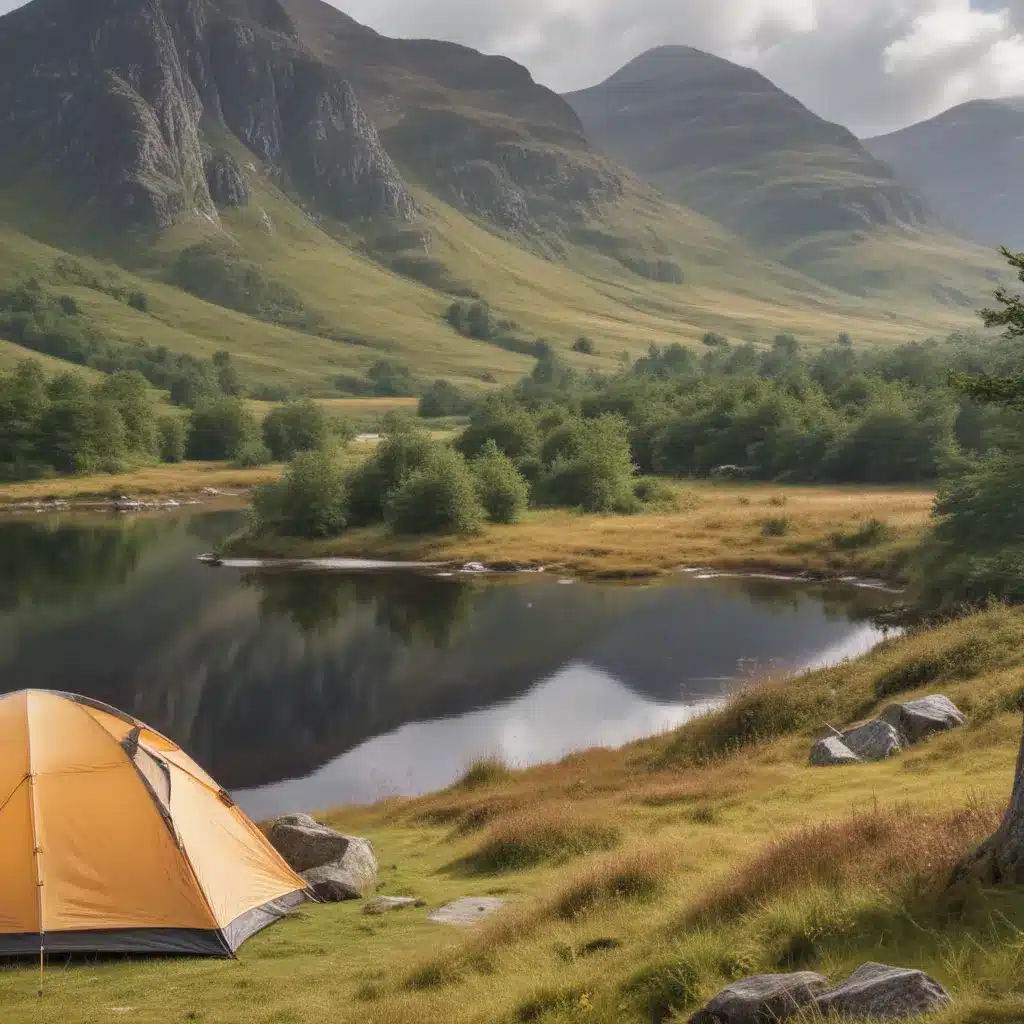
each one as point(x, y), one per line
point(917, 720)
point(225, 181)
point(873, 741)
point(763, 998)
point(336, 867)
point(114, 94)
point(492, 171)
point(873, 992)
point(876, 992)
point(898, 727)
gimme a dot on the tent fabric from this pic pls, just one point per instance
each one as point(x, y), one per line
point(113, 840)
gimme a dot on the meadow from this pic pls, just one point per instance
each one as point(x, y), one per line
point(640, 881)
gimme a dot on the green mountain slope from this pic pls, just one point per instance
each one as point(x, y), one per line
point(967, 161)
point(724, 140)
point(285, 184)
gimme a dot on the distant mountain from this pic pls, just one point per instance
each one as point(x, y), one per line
point(725, 140)
point(290, 185)
point(969, 162)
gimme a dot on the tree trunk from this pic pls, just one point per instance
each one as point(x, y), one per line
point(1000, 859)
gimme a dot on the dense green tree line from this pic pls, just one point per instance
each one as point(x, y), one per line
point(841, 413)
point(64, 426)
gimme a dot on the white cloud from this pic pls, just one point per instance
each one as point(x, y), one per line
point(871, 64)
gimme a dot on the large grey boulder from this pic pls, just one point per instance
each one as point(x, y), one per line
point(762, 999)
point(832, 751)
point(305, 843)
point(919, 719)
point(874, 741)
point(876, 992)
point(335, 867)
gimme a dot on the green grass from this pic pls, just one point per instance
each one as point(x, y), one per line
point(557, 288)
point(741, 860)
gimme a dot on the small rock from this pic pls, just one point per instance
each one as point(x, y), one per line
point(874, 741)
point(211, 492)
point(876, 992)
point(305, 843)
point(474, 567)
point(763, 998)
point(334, 884)
point(467, 911)
point(832, 751)
point(919, 719)
point(383, 904)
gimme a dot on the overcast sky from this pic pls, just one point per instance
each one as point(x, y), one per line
point(873, 65)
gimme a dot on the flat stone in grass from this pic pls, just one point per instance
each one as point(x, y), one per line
point(762, 998)
point(467, 911)
point(384, 904)
point(875, 992)
point(832, 751)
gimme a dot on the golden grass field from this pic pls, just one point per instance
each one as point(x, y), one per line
point(640, 881)
point(718, 524)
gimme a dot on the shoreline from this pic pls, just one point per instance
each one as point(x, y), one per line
point(827, 534)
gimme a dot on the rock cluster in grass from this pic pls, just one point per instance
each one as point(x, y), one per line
point(335, 867)
point(873, 992)
point(898, 727)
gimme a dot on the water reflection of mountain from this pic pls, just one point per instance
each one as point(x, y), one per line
point(272, 676)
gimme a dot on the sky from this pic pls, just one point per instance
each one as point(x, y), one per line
point(873, 65)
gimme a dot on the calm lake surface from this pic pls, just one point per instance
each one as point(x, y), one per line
point(300, 691)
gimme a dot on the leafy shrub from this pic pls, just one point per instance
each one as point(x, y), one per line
point(442, 398)
point(502, 491)
point(309, 501)
point(600, 476)
point(872, 532)
point(139, 300)
point(400, 453)
point(513, 430)
point(250, 453)
point(172, 438)
point(439, 497)
point(656, 493)
point(584, 346)
point(299, 426)
point(219, 430)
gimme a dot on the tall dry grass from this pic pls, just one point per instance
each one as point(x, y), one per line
point(908, 852)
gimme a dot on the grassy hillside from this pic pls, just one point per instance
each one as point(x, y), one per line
point(724, 140)
point(353, 309)
point(641, 881)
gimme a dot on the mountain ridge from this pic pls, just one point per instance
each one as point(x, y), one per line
point(966, 160)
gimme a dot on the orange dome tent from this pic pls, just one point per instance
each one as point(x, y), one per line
point(113, 840)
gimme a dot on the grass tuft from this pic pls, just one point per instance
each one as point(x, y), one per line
point(636, 875)
point(485, 771)
point(535, 835)
point(913, 853)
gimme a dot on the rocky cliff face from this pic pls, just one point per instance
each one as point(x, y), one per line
point(114, 95)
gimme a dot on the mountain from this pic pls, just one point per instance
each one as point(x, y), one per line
point(285, 183)
point(724, 140)
point(968, 162)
